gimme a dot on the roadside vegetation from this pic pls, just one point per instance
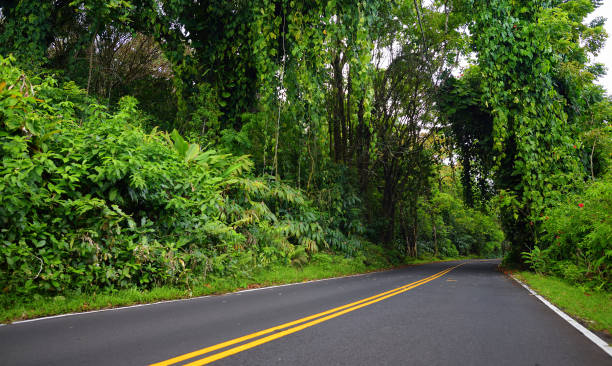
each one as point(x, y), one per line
point(591, 308)
point(91, 202)
point(162, 149)
point(320, 266)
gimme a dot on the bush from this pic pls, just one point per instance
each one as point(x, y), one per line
point(447, 249)
point(576, 235)
point(460, 230)
point(89, 200)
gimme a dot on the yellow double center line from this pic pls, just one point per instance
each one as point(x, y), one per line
point(291, 327)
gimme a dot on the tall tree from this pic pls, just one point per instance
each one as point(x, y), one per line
point(521, 47)
point(421, 46)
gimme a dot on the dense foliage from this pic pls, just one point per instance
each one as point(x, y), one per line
point(523, 120)
point(576, 236)
point(151, 142)
point(90, 200)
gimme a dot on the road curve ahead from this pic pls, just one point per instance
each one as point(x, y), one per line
point(453, 313)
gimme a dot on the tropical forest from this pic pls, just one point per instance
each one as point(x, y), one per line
point(164, 149)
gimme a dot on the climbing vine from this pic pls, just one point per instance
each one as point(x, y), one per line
point(520, 46)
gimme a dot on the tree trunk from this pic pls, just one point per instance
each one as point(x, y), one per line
point(411, 240)
point(435, 234)
point(91, 52)
point(281, 83)
point(415, 226)
point(312, 164)
point(338, 111)
point(299, 171)
point(347, 133)
point(388, 207)
point(466, 180)
point(362, 148)
point(591, 157)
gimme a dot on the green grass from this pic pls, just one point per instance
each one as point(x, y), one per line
point(594, 309)
point(431, 259)
point(322, 266)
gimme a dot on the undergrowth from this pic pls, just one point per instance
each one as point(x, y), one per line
point(593, 308)
point(90, 200)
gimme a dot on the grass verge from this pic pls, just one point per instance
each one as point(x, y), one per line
point(593, 309)
point(321, 266)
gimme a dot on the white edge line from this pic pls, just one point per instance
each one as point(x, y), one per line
point(587, 333)
point(185, 299)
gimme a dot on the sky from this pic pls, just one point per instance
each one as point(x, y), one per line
point(605, 56)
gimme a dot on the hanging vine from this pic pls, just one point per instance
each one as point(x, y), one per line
point(520, 45)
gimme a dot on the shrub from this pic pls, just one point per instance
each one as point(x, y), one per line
point(577, 234)
point(90, 200)
point(460, 230)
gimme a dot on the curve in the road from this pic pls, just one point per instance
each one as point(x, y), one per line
point(294, 326)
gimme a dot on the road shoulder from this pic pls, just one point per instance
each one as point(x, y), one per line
point(600, 338)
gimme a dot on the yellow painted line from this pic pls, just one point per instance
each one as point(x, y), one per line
point(375, 298)
point(282, 326)
point(272, 337)
point(348, 308)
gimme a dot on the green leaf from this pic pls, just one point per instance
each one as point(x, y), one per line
point(192, 152)
point(112, 195)
point(180, 144)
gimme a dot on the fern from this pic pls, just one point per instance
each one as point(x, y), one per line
point(299, 257)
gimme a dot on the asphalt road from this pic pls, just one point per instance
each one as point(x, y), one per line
point(472, 315)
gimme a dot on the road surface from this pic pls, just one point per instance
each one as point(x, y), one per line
point(452, 313)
